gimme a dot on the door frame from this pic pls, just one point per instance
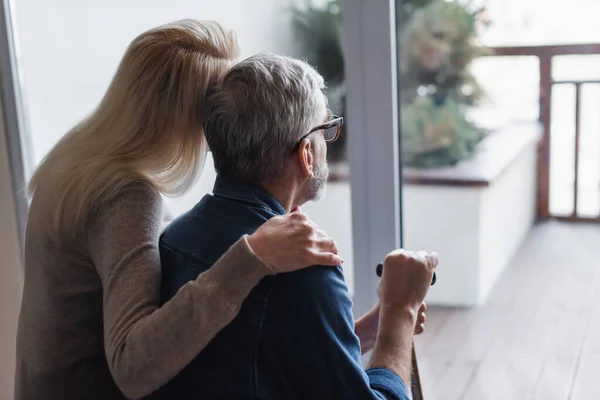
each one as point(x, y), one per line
point(373, 139)
point(371, 68)
point(13, 114)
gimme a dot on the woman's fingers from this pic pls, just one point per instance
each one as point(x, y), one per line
point(325, 250)
point(311, 223)
point(292, 242)
point(326, 244)
point(325, 258)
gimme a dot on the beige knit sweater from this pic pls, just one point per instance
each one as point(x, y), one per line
point(90, 325)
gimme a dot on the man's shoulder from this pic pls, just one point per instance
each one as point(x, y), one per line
point(314, 289)
point(317, 277)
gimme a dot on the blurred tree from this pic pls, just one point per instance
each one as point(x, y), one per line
point(437, 43)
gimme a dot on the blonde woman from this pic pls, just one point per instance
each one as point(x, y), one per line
point(90, 324)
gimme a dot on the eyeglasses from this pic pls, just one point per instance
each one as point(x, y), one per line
point(331, 131)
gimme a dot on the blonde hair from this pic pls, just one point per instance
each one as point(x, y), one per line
point(146, 128)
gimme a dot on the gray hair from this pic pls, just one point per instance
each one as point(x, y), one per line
point(257, 113)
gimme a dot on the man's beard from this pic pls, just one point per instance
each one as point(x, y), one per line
point(315, 186)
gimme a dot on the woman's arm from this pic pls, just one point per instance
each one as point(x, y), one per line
point(146, 345)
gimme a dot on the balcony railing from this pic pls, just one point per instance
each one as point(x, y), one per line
point(545, 54)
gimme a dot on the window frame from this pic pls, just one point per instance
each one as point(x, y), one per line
point(373, 139)
point(13, 116)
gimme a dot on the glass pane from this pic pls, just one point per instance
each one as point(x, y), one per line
point(69, 54)
point(562, 148)
point(469, 136)
point(588, 200)
point(511, 86)
point(540, 22)
point(576, 67)
point(496, 297)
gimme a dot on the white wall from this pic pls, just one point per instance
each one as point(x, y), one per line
point(10, 276)
point(509, 217)
point(69, 50)
point(475, 230)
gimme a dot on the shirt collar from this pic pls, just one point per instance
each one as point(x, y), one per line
point(240, 190)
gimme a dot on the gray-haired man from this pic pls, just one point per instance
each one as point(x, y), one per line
point(267, 124)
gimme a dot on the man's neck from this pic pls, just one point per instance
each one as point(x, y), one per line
point(288, 195)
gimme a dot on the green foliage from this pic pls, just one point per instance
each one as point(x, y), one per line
point(406, 8)
point(437, 46)
point(319, 33)
point(436, 134)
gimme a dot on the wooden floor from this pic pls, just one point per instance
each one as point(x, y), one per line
point(538, 335)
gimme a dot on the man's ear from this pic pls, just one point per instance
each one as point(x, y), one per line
point(306, 158)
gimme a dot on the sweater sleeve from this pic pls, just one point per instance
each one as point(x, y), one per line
point(147, 345)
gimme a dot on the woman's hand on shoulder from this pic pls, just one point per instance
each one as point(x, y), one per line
point(292, 241)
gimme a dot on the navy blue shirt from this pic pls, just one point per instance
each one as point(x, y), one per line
point(294, 335)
